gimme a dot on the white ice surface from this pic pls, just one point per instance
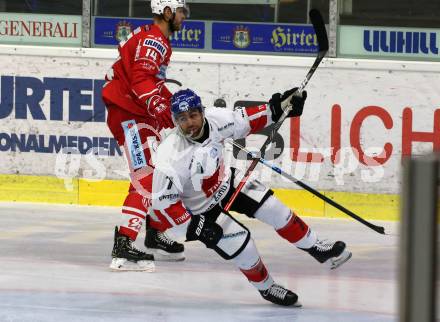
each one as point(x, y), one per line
point(54, 267)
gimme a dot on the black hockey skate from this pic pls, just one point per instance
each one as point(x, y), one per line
point(126, 257)
point(162, 247)
point(280, 295)
point(323, 251)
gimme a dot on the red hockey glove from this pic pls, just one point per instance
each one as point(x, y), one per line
point(159, 108)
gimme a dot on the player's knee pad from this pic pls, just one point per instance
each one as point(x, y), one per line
point(222, 233)
point(235, 237)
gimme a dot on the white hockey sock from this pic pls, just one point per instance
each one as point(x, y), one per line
point(287, 224)
point(251, 265)
point(308, 240)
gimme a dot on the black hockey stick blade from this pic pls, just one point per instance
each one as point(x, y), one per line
point(321, 35)
point(173, 81)
point(319, 27)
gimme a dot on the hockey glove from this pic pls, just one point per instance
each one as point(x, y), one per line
point(159, 108)
point(278, 103)
point(201, 228)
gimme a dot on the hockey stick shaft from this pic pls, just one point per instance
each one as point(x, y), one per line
point(378, 229)
point(321, 34)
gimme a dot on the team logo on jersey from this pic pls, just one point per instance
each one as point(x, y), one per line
point(242, 37)
point(214, 152)
point(123, 29)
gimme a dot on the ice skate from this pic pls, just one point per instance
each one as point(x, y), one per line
point(162, 247)
point(126, 257)
point(335, 253)
point(281, 296)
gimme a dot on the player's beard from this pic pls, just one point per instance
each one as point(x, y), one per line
point(173, 25)
point(197, 133)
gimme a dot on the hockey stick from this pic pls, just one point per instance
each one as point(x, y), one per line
point(173, 81)
point(379, 229)
point(321, 34)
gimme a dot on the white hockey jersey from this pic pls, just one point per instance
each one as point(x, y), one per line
point(190, 177)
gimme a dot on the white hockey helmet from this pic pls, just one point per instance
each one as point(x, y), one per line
point(158, 6)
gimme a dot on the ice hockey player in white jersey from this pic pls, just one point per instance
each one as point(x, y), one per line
point(191, 185)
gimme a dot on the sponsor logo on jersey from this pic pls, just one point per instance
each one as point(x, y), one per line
point(219, 195)
point(151, 43)
point(133, 140)
point(226, 126)
point(148, 66)
point(169, 197)
point(242, 37)
point(183, 218)
point(212, 189)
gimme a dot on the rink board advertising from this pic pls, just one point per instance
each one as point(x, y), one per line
point(389, 42)
point(264, 37)
point(224, 36)
point(110, 31)
point(38, 29)
point(349, 136)
point(69, 99)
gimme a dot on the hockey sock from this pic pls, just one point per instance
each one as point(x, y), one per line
point(133, 215)
point(286, 223)
point(250, 264)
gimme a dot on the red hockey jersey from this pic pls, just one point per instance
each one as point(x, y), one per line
point(140, 70)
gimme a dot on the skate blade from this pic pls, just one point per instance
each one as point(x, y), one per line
point(123, 265)
point(162, 256)
point(341, 259)
point(297, 304)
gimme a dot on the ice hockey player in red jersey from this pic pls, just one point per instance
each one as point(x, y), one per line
point(138, 105)
point(191, 185)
